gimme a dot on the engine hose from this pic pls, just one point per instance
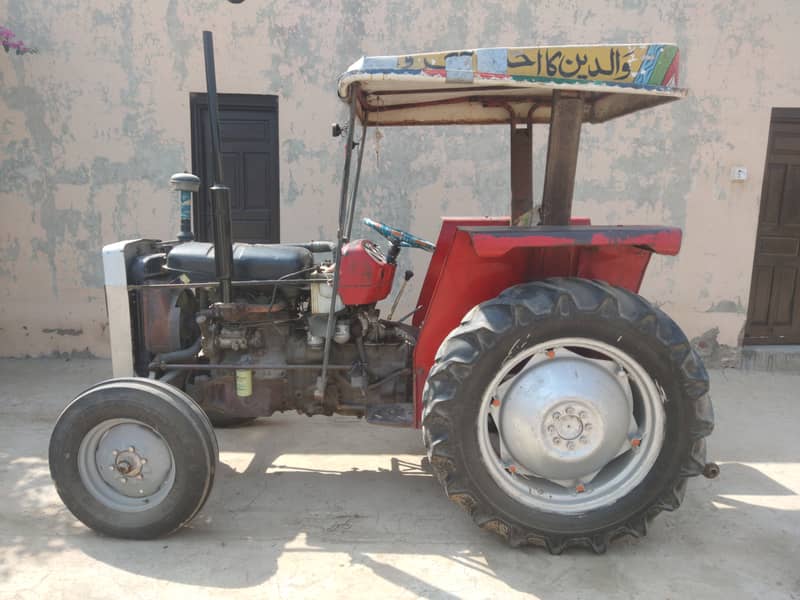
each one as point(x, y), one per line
point(171, 377)
point(177, 356)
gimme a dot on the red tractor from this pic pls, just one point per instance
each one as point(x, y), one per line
point(558, 407)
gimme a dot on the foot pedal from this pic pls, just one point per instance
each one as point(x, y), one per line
point(395, 415)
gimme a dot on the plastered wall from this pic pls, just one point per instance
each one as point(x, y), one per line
point(93, 125)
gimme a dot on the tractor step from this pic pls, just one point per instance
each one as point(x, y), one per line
point(396, 415)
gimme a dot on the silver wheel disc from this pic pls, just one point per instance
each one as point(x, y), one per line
point(571, 425)
point(126, 465)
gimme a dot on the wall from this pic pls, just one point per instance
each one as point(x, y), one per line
point(93, 125)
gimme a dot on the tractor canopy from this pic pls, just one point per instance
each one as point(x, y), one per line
point(510, 85)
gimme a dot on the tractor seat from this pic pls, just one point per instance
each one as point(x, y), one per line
point(250, 261)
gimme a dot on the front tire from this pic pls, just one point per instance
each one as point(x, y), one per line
point(133, 458)
point(514, 387)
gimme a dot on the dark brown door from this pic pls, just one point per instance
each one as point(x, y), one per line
point(773, 316)
point(249, 147)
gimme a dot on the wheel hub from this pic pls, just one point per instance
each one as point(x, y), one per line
point(129, 463)
point(123, 459)
point(564, 417)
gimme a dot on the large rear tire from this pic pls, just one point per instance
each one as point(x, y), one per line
point(133, 458)
point(510, 401)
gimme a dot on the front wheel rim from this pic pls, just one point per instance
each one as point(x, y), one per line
point(570, 425)
point(126, 465)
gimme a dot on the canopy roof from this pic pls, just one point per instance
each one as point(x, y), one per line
point(510, 85)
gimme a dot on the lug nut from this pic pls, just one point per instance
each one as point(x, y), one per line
point(114, 453)
point(130, 448)
point(569, 410)
point(123, 480)
point(141, 491)
point(583, 414)
point(584, 439)
point(556, 416)
point(144, 460)
point(550, 429)
point(557, 441)
point(571, 445)
point(139, 477)
point(587, 426)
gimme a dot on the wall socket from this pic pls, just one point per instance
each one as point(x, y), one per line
point(739, 174)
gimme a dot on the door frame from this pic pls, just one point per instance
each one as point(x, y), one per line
point(777, 115)
point(199, 101)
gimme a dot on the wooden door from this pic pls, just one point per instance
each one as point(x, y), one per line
point(773, 315)
point(250, 164)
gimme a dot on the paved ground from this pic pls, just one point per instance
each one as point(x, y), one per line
point(334, 507)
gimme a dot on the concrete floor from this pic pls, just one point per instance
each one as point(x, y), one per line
point(332, 507)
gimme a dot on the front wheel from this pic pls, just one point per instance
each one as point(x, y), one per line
point(133, 458)
point(566, 412)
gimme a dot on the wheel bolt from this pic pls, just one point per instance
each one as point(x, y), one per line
point(123, 480)
point(557, 441)
point(112, 468)
point(569, 410)
point(584, 439)
point(556, 416)
point(130, 448)
point(571, 445)
point(550, 429)
point(583, 414)
point(114, 453)
point(144, 460)
point(587, 426)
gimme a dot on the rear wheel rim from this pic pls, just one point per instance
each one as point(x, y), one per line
point(570, 425)
point(126, 465)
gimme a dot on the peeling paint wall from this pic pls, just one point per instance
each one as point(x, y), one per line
point(92, 127)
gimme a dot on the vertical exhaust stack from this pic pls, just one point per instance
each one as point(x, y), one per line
point(220, 195)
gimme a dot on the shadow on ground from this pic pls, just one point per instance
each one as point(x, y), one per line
point(314, 496)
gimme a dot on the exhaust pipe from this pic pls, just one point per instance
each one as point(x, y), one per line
point(220, 195)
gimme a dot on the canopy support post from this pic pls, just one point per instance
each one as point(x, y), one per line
point(566, 118)
point(521, 176)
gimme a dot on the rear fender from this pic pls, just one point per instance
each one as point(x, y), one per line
point(476, 259)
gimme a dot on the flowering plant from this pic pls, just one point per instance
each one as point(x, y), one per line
point(9, 42)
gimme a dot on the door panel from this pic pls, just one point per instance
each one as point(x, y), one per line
point(249, 147)
point(774, 308)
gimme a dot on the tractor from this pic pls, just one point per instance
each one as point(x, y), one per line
point(558, 407)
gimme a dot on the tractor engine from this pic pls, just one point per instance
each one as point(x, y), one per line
point(261, 352)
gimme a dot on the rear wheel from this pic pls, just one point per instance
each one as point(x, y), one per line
point(133, 458)
point(566, 413)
